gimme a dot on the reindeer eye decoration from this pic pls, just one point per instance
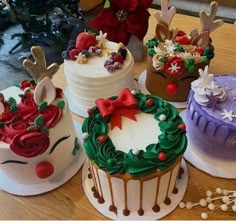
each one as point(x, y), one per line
point(45, 90)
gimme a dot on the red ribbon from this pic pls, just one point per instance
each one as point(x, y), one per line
point(124, 105)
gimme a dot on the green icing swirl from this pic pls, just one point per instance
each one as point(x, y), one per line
point(172, 141)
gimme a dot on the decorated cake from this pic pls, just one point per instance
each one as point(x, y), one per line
point(95, 67)
point(134, 143)
point(174, 56)
point(211, 114)
point(34, 145)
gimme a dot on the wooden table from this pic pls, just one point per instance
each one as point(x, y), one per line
point(69, 200)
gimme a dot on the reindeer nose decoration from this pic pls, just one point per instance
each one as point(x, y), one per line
point(45, 90)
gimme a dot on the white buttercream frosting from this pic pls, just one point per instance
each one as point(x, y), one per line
point(205, 86)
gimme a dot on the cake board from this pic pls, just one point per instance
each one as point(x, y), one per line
point(10, 186)
point(143, 88)
point(149, 215)
point(79, 111)
point(206, 163)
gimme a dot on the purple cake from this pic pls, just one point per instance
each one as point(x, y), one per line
point(211, 114)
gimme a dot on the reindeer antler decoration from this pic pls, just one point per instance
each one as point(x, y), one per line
point(38, 69)
point(45, 90)
point(207, 19)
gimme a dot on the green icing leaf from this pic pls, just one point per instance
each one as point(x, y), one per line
point(189, 65)
point(16, 85)
point(1, 124)
point(163, 59)
point(107, 4)
point(61, 104)
point(12, 101)
point(21, 95)
point(43, 105)
point(39, 121)
point(31, 127)
point(76, 146)
point(31, 80)
point(45, 130)
point(179, 48)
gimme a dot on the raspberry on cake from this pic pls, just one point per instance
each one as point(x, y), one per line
point(174, 56)
point(134, 143)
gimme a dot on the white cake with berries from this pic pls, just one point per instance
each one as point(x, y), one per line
point(95, 67)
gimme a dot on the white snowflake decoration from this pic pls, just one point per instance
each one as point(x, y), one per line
point(101, 38)
point(228, 115)
point(174, 68)
point(205, 77)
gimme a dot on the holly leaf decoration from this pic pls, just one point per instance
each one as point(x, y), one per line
point(43, 105)
point(61, 104)
point(39, 121)
point(76, 146)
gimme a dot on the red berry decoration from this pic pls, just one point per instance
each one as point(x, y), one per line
point(90, 111)
point(73, 54)
point(200, 50)
point(183, 40)
point(149, 102)
point(162, 156)
point(84, 40)
point(182, 127)
point(102, 139)
point(172, 88)
point(118, 58)
point(44, 169)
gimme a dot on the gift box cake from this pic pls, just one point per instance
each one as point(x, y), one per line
point(175, 56)
point(134, 143)
point(36, 151)
point(95, 67)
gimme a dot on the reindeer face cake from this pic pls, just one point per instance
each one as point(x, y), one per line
point(174, 56)
point(35, 147)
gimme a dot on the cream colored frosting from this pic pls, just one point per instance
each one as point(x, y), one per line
point(90, 81)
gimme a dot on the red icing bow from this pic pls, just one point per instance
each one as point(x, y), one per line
point(125, 105)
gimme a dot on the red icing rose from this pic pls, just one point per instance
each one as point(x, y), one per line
point(174, 66)
point(26, 83)
point(51, 115)
point(30, 143)
point(12, 129)
point(27, 107)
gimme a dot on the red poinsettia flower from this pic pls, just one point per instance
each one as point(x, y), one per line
point(122, 19)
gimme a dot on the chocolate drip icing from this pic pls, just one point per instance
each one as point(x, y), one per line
point(93, 189)
point(181, 172)
point(112, 208)
point(90, 176)
point(126, 212)
point(175, 190)
point(96, 194)
point(167, 201)
point(156, 208)
point(140, 212)
point(101, 200)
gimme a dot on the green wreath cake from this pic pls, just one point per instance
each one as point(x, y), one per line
point(116, 173)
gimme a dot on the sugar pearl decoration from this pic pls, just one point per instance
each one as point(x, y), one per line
point(209, 199)
point(225, 199)
point(234, 208)
point(204, 215)
point(136, 152)
point(211, 206)
point(203, 202)
point(189, 205)
point(181, 205)
point(224, 207)
point(209, 193)
point(219, 190)
point(85, 136)
point(162, 117)
point(133, 92)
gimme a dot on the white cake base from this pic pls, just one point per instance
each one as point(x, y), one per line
point(207, 163)
point(149, 215)
point(79, 111)
point(142, 86)
point(10, 186)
